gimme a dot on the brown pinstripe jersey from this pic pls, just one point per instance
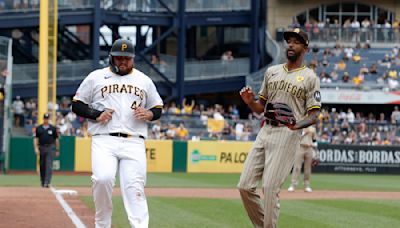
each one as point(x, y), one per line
point(298, 88)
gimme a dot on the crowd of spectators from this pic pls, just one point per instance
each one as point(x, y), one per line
point(347, 127)
point(351, 30)
point(26, 116)
point(356, 65)
point(191, 121)
point(19, 4)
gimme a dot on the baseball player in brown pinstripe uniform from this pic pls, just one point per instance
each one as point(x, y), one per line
point(273, 153)
point(309, 154)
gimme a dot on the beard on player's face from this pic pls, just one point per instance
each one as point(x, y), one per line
point(124, 64)
point(295, 49)
point(292, 55)
point(124, 69)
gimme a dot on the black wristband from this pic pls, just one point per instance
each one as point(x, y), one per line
point(156, 113)
point(83, 110)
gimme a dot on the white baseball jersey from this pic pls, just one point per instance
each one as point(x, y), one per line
point(103, 89)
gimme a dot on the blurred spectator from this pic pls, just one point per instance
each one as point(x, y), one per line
point(356, 58)
point(158, 63)
point(358, 80)
point(385, 61)
point(341, 65)
point(227, 56)
point(325, 62)
point(156, 130)
point(364, 69)
point(187, 108)
point(239, 129)
point(173, 109)
point(315, 49)
point(350, 116)
point(375, 137)
point(395, 117)
point(386, 28)
point(351, 138)
point(18, 108)
point(396, 30)
point(392, 80)
point(334, 76)
point(380, 80)
point(171, 131)
point(227, 132)
point(233, 112)
point(83, 130)
point(345, 77)
point(342, 116)
point(371, 118)
point(324, 77)
point(218, 113)
point(382, 123)
point(348, 53)
point(367, 45)
point(365, 26)
point(355, 26)
point(64, 126)
point(373, 69)
point(327, 52)
point(181, 132)
point(314, 64)
point(395, 51)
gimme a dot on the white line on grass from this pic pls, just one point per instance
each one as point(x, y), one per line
point(71, 214)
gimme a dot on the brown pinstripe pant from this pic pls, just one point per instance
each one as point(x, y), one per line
point(270, 160)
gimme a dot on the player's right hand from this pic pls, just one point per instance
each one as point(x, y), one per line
point(105, 116)
point(36, 151)
point(247, 94)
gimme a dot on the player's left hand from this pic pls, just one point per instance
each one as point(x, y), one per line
point(143, 114)
point(315, 162)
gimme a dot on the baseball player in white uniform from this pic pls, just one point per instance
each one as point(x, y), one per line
point(118, 100)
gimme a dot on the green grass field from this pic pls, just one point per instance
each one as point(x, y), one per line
point(184, 212)
point(176, 213)
point(319, 181)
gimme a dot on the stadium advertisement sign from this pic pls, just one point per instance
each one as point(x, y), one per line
point(330, 96)
point(217, 156)
point(159, 155)
point(358, 159)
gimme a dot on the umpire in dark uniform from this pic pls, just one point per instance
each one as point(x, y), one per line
point(46, 145)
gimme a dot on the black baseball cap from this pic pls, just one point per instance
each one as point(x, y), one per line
point(46, 116)
point(122, 47)
point(298, 33)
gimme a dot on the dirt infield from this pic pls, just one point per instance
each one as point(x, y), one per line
point(31, 207)
point(38, 207)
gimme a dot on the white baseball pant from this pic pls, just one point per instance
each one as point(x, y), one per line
point(109, 152)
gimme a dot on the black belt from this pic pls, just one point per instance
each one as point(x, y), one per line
point(124, 135)
point(273, 123)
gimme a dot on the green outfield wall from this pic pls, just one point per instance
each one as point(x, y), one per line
point(164, 156)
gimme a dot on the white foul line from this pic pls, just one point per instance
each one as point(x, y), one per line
point(71, 214)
